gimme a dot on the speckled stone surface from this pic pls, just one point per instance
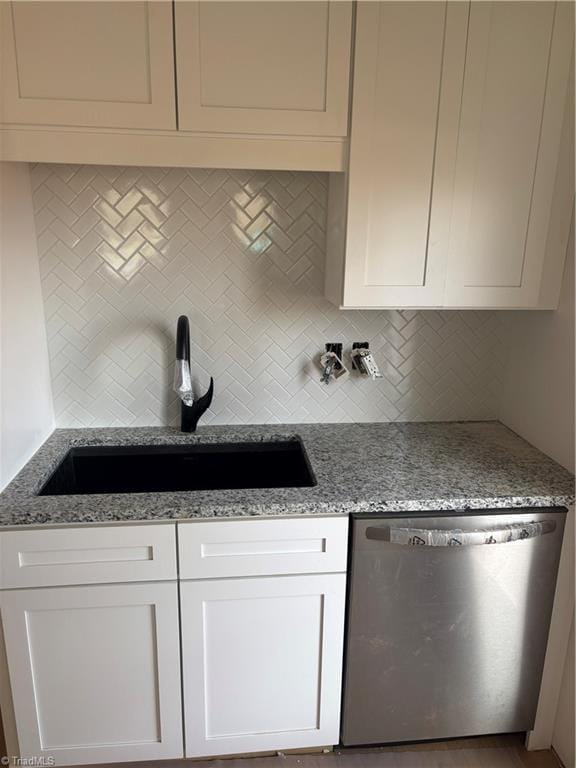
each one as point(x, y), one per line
point(358, 467)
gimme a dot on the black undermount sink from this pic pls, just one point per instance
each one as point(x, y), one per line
point(162, 468)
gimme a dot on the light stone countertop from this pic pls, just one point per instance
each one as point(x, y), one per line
point(367, 468)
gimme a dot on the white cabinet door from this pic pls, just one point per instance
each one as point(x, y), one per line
point(262, 661)
point(264, 67)
point(459, 192)
point(88, 64)
point(95, 672)
point(514, 103)
point(393, 232)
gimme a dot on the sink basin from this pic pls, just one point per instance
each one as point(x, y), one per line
point(162, 468)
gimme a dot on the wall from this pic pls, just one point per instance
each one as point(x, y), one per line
point(538, 394)
point(538, 403)
point(26, 413)
point(124, 251)
point(563, 737)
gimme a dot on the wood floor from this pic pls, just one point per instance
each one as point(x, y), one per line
point(491, 752)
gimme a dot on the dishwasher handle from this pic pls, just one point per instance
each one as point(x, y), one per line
point(426, 537)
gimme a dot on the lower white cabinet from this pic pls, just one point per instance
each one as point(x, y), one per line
point(262, 661)
point(251, 632)
point(95, 672)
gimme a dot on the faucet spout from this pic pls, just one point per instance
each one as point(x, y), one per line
point(191, 409)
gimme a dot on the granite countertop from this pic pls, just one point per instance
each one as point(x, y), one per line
point(392, 467)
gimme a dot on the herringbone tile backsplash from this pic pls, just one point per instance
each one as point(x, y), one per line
point(124, 251)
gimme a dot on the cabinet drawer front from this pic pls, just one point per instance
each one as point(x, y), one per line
point(87, 556)
point(262, 547)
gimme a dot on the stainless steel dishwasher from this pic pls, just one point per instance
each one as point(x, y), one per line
point(448, 620)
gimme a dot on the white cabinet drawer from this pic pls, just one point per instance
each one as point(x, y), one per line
point(262, 547)
point(66, 556)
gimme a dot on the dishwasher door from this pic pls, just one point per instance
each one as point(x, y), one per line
point(446, 634)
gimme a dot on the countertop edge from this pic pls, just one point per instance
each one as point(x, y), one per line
point(401, 507)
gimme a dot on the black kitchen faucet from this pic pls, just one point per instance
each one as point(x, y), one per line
point(191, 409)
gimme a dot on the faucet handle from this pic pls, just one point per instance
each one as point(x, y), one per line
point(191, 414)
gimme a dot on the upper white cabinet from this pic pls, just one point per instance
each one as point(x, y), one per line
point(260, 84)
point(389, 238)
point(457, 192)
point(263, 67)
point(513, 107)
point(96, 64)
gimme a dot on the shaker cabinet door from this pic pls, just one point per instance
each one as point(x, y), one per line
point(264, 67)
point(408, 73)
point(459, 192)
point(94, 64)
point(95, 672)
point(513, 192)
point(262, 663)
